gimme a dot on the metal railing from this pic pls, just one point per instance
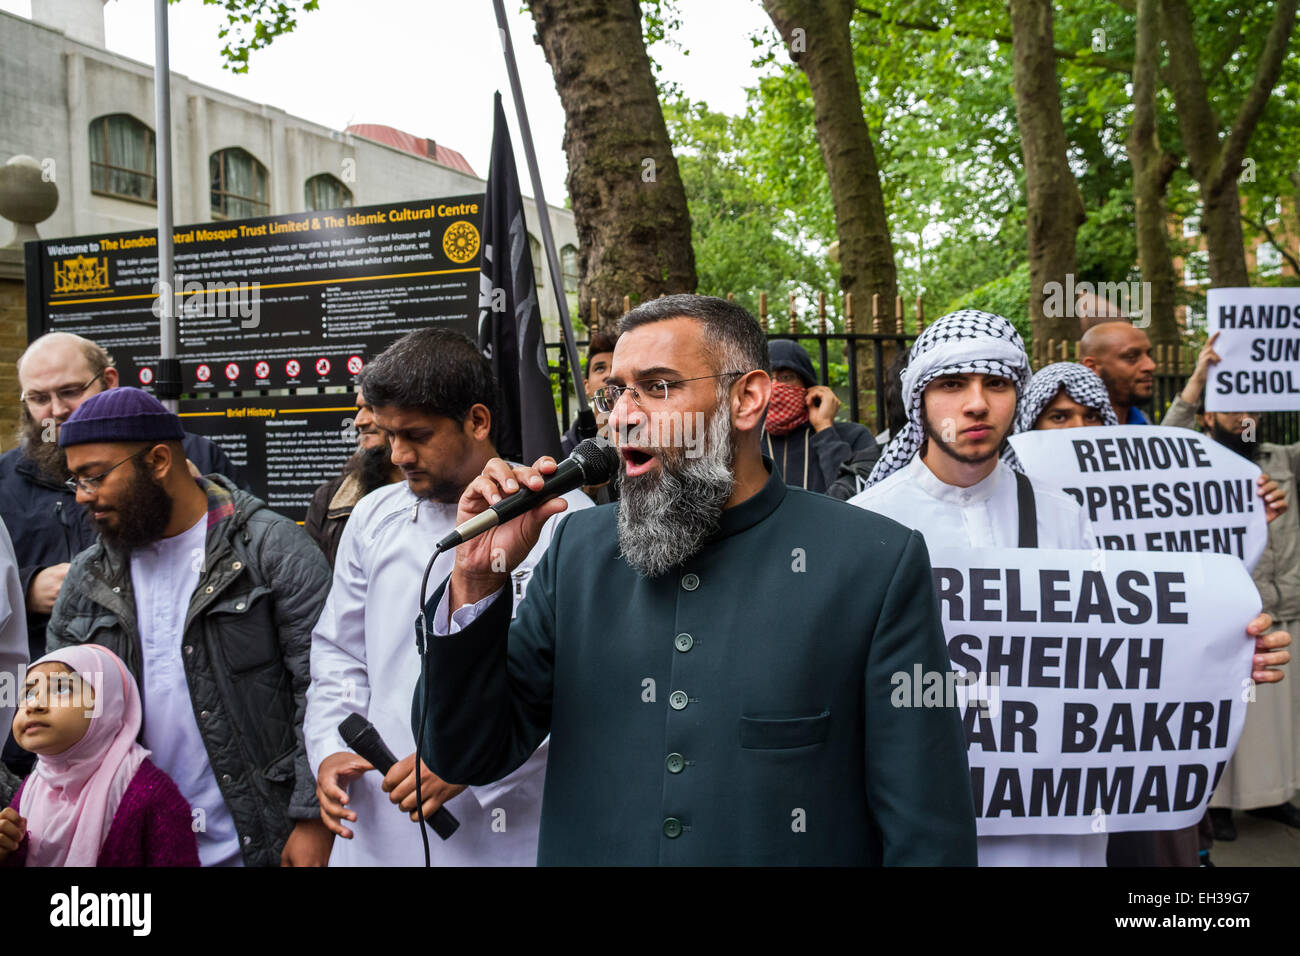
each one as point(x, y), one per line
point(839, 357)
point(838, 368)
point(1174, 363)
point(823, 360)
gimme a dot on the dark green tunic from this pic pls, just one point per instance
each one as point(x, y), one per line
point(736, 711)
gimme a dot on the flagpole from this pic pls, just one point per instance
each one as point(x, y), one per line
point(168, 382)
point(586, 420)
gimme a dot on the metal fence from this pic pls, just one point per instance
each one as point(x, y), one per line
point(836, 357)
point(1174, 363)
point(841, 358)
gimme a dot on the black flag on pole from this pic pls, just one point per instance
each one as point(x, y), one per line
point(509, 320)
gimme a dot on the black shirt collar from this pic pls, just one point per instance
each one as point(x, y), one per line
point(755, 508)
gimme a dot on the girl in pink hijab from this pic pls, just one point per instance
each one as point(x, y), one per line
point(94, 797)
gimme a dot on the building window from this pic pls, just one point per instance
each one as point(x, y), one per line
point(122, 159)
point(539, 263)
point(1268, 261)
point(1191, 226)
point(239, 185)
point(569, 266)
point(326, 192)
point(1196, 268)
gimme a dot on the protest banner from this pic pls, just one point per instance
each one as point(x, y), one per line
point(1097, 691)
point(1152, 488)
point(1259, 350)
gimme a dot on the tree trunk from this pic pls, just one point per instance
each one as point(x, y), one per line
point(629, 206)
point(1151, 172)
point(817, 36)
point(1216, 164)
point(1221, 227)
point(1054, 206)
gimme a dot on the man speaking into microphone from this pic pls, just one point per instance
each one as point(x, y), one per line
point(708, 656)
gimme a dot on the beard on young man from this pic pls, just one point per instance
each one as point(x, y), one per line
point(142, 514)
point(933, 434)
point(666, 515)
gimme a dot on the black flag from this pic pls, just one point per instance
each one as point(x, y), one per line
point(509, 321)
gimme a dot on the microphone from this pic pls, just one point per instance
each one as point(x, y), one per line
point(594, 462)
point(361, 737)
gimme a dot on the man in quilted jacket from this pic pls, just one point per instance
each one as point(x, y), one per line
point(210, 599)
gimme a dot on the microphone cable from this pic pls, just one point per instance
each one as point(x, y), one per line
point(598, 453)
point(421, 642)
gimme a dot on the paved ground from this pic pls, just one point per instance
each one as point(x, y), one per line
point(1259, 843)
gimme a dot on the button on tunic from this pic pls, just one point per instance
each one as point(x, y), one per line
point(770, 739)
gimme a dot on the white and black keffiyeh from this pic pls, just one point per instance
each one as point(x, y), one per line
point(961, 342)
point(1080, 382)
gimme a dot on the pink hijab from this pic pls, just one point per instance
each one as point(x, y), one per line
point(70, 798)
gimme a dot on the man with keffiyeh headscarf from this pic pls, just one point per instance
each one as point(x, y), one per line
point(1065, 395)
point(950, 474)
point(1070, 395)
point(951, 464)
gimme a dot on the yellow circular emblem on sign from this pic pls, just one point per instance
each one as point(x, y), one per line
point(460, 241)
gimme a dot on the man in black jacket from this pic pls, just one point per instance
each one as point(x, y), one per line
point(209, 598)
point(800, 434)
point(57, 373)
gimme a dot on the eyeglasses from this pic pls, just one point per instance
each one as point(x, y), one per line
point(69, 393)
point(93, 482)
point(642, 392)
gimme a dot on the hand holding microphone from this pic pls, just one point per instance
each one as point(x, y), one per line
point(502, 511)
point(361, 735)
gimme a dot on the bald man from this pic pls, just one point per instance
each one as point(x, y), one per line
point(1121, 355)
point(56, 374)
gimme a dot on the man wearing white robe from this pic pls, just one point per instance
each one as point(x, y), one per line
point(364, 659)
point(975, 365)
point(13, 649)
point(962, 389)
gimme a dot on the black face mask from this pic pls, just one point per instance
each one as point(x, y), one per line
point(1231, 440)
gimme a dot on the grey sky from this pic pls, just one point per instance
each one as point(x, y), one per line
point(428, 67)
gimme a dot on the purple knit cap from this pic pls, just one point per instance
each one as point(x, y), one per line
point(120, 415)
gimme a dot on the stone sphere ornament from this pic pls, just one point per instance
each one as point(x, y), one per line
point(27, 196)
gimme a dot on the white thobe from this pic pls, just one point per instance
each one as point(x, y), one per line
point(986, 515)
point(164, 575)
point(364, 660)
point(13, 632)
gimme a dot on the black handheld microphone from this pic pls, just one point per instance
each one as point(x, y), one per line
point(593, 462)
point(361, 737)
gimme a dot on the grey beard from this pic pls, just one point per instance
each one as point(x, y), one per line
point(664, 518)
